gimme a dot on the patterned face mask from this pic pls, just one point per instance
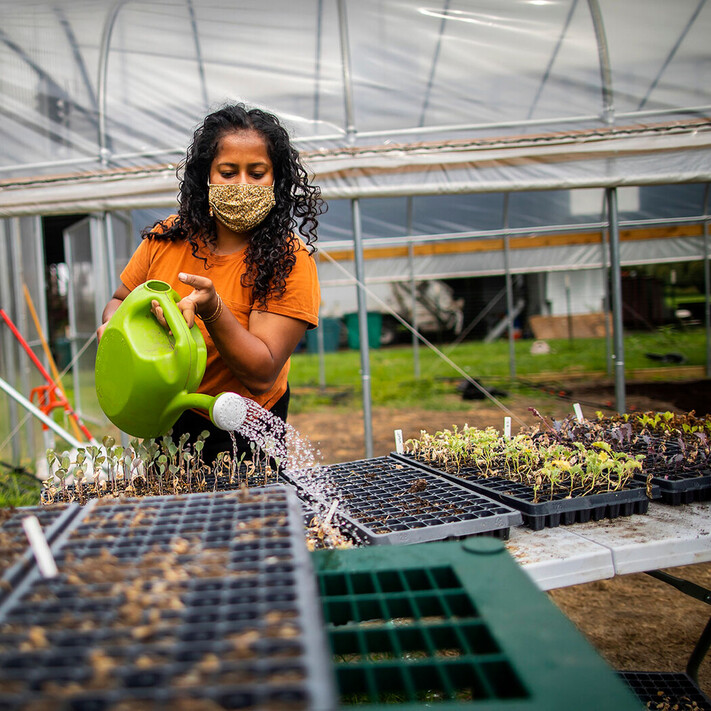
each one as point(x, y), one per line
point(240, 206)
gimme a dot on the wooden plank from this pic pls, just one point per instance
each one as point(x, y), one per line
point(583, 326)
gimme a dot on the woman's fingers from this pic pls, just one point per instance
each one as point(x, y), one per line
point(187, 308)
point(197, 282)
point(201, 300)
point(157, 310)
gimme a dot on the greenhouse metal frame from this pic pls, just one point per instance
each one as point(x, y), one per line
point(424, 125)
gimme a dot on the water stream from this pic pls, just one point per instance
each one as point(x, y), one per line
point(296, 457)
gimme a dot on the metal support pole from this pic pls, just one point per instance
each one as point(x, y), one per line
point(112, 277)
point(346, 66)
point(104, 138)
point(569, 308)
point(707, 283)
point(321, 357)
point(317, 63)
point(363, 329)
point(606, 289)
point(509, 292)
point(198, 55)
point(616, 280)
point(72, 329)
point(8, 346)
point(413, 291)
point(608, 102)
point(413, 301)
point(23, 365)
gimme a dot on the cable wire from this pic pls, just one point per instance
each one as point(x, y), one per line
point(424, 340)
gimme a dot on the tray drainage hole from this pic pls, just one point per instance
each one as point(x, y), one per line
point(204, 587)
point(281, 597)
point(201, 618)
point(143, 679)
point(89, 704)
point(279, 648)
point(197, 635)
point(204, 601)
point(26, 661)
point(288, 699)
point(238, 700)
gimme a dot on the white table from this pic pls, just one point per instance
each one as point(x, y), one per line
point(665, 537)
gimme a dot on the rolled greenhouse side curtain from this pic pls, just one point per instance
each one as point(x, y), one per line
point(616, 279)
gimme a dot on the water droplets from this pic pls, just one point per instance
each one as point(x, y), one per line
point(299, 462)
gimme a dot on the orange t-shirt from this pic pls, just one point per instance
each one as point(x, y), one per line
point(162, 259)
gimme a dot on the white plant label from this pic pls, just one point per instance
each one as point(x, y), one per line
point(578, 411)
point(399, 446)
point(40, 547)
point(507, 427)
point(330, 513)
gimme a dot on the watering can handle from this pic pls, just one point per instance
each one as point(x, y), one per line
point(175, 320)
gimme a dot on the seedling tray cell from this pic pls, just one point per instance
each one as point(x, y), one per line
point(201, 597)
point(455, 624)
point(681, 487)
point(391, 502)
point(669, 688)
point(560, 510)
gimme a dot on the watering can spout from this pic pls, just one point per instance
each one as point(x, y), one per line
point(228, 411)
point(146, 375)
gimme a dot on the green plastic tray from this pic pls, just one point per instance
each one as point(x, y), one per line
point(455, 624)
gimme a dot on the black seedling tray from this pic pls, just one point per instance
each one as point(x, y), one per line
point(681, 487)
point(672, 687)
point(17, 558)
point(251, 478)
point(165, 599)
point(391, 502)
point(543, 514)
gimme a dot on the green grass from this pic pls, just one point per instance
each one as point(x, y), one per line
point(18, 489)
point(393, 383)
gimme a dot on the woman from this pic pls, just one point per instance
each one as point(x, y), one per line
point(232, 254)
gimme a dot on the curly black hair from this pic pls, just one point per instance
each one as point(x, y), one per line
point(269, 256)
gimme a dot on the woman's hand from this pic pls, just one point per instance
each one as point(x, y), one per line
point(203, 300)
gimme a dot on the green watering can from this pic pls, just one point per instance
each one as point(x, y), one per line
point(146, 377)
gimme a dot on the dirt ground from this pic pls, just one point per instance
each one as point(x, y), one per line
point(635, 621)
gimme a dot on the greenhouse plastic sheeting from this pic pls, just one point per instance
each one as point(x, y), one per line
point(393, 98)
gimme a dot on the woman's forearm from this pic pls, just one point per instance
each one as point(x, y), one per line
point(110, 309)
point(257, 355)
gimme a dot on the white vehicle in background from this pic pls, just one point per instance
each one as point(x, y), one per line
point(436, 311)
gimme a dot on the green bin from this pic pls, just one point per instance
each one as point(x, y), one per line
point(454, 625)
point(331, 335)
point(62, 352)
point(375, 327)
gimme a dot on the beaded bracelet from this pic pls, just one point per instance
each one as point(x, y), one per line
point(215, 314)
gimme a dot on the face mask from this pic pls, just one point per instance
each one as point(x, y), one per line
point(240, 206)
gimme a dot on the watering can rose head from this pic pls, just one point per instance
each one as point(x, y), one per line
point(147, 375)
